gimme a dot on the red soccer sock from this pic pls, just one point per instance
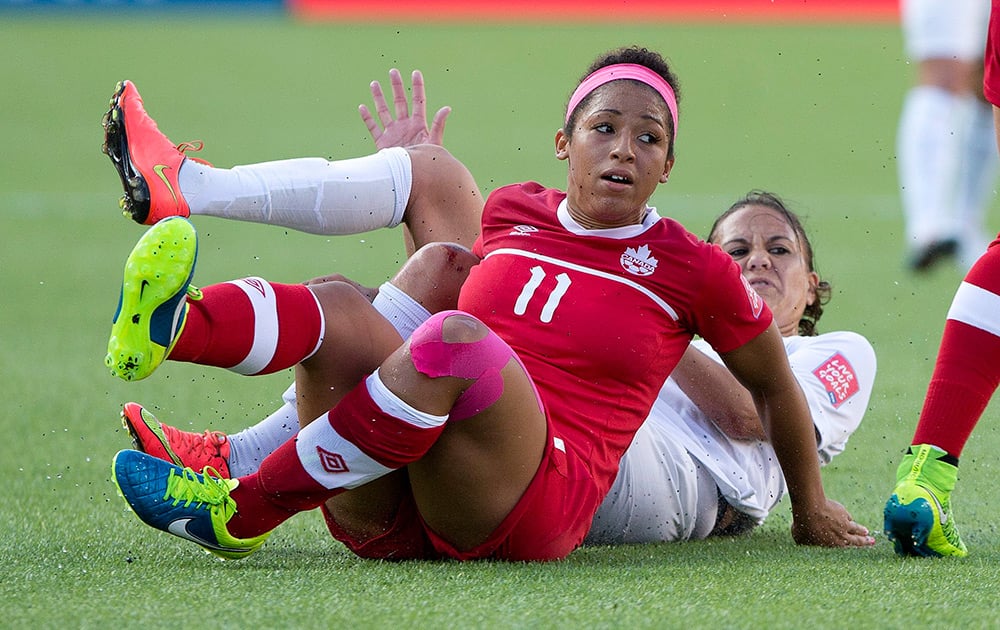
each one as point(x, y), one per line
point(250, 326)
point(966, 372)
point(356, 442)
point(260, 508)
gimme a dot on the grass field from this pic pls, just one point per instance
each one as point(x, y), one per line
point(808, 110)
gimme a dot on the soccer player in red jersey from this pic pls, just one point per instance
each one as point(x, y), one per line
point(495, 430)
point(918, 516)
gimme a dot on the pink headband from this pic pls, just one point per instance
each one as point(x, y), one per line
point(624, 71)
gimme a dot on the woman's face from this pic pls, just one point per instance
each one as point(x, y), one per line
point(617, 155)
point(773, 261)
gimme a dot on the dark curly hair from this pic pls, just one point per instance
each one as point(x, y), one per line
point(807, 325)
point(635, 55)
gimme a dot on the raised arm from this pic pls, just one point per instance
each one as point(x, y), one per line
point(762, 367)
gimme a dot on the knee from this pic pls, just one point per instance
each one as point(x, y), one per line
point(434, 168)
point(435, 273)
point(457, 345)
point(452, 343)
point(333, 292)
point(344, 308)
point(438, 175)
point(444, 258)
point(427, 158)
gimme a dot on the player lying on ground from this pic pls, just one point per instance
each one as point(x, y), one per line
point(698, 465)
point(494, 464)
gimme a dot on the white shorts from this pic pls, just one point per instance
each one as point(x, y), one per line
point(661, 494)
point(945, 29)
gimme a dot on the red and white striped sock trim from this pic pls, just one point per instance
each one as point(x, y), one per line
point(276, 345)
point(369, 433)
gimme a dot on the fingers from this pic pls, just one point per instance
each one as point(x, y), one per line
point(381, 106)
point(859, 536)
point(419, 95)
point(395, 126)
point(324, 279)
point(369, 120)
point(399, 95)
point(832, 527)
point(848, 535)
point(437, 126)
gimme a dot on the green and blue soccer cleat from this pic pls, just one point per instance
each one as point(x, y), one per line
point(918, 516)
point(152, 307)
point(181, 502)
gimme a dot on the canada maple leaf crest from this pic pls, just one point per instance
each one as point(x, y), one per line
point(638, 261)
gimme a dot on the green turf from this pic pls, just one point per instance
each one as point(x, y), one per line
point(808, 111)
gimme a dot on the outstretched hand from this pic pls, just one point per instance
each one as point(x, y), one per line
point(830, 525)
point(405, 129)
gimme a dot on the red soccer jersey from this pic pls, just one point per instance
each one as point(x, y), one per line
point(600, 318)
point(991, 76)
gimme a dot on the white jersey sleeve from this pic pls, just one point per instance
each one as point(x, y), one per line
point(836, 372)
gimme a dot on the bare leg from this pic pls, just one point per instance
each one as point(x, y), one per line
point(433, 276)
point(480, 466)
point(445, 204)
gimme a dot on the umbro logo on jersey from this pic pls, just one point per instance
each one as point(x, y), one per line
point(523, 230)
point(331, 462)
point(639, 262)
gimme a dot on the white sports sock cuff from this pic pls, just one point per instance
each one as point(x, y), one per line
point(393, 405)
point(402, 178)
point(401, 310)
point(976, 307)
point(332, 460)
point(288, 395)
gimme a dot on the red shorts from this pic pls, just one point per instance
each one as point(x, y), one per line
point(550, 520)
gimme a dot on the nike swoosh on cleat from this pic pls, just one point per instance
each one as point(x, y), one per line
point(158, 169)
point(142, 288)
point(940, 508)
point(179, 528)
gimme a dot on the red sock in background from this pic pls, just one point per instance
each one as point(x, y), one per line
point(967, 368)
point(250, 326)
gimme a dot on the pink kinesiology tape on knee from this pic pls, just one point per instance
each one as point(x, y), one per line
point(479, 360)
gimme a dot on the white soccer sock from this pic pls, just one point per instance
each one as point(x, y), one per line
point(307, 194)
point(402, 311)
point(977, 178)
point(249, 447)
point(928, 159)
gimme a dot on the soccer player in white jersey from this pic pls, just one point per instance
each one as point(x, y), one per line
point(947, 161)
point(700, 465)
